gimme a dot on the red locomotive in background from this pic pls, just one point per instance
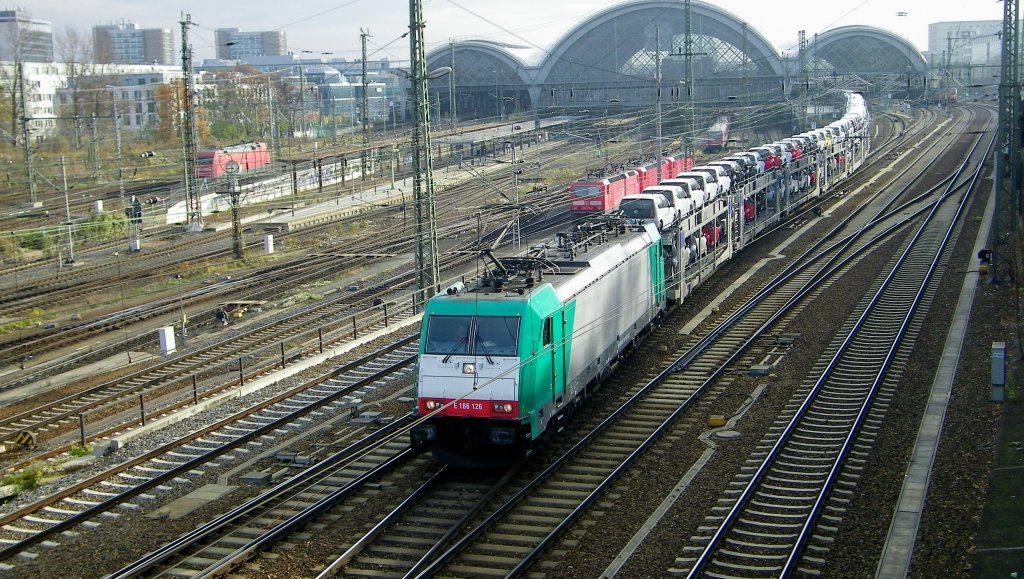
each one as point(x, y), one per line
point(249, 156)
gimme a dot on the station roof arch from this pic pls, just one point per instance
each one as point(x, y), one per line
point(605, 46)
point(485, 62)
point(864, 50)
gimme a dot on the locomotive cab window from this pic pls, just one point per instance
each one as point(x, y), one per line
point(496, 336)
point(581, 192)
point(491, 335)
point(547, 332)
point(448, 335)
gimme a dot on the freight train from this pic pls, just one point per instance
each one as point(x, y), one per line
point(505, 360)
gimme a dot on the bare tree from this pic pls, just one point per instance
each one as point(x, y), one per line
point(74, 50)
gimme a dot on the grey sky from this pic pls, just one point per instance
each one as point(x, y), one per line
point(333, 25)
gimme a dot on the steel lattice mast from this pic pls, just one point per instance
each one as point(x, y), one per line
point(425, 240)
point(363, 35)
point(1007, 173)
point(189, 131)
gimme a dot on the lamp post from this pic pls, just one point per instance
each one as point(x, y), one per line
point(181, 309)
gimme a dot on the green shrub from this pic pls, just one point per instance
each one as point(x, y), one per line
point(79, 450)
point(104, 226)
point(25, 480)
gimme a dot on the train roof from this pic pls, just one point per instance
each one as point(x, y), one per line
point(238, 148)
point(567, 264)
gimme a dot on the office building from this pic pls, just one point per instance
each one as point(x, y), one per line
point(235, 45)
point(25, 39)
point(123, 43)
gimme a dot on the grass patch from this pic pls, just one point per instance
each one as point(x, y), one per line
point(25, 480)
point(78, 450)
point(33, 318)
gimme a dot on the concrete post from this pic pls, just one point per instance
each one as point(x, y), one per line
point(998, 371)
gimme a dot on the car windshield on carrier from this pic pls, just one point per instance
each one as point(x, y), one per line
point(637, 208)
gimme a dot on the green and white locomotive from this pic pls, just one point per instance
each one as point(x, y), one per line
point(501, 361)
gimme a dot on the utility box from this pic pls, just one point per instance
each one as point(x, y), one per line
point(166, 337)
point(998, 371)
point(268, 243)
point(97, 206)
point(135, 245)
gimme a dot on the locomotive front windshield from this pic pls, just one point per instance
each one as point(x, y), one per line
point(585, 192)
point(496, 336)
point(492, 335)
point(204, 160)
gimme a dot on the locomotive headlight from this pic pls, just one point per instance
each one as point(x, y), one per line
point(502, 408)
point(469, 368)
point(432, 404)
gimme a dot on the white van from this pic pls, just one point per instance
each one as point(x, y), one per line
point(707, 183)
point(679, 198)
point(693, 189)
point(721, 175)
point(646, 208)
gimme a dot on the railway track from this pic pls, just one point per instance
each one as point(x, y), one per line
point(807, 466)
point(576, 480)
point(83, 282)
point(215, 367)
point(207, 370)
point(571, 484)
point(666, 401)
point(264, 426)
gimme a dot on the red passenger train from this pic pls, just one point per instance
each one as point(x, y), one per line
point(717, 137)
point(249, 156)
